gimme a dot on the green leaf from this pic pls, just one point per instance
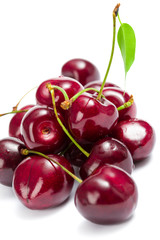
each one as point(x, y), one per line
point(127, 44)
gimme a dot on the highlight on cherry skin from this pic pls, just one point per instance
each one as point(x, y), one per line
point(41, 131)
point(108, 195)
point(138, 135)
point(39, 183)
point(10, 157)
point(107, 151)
point(80, 69)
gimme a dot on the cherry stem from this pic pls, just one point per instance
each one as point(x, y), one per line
point(15, 111)
point(119, 19)
point(67, 104)
point(27, 152)
point(115, 12)
point(15, 107)
point(66, 149)
point(126, 104)
point(49, 86)
point(62, 125)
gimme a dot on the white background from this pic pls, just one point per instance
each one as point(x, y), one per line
point(36, 39)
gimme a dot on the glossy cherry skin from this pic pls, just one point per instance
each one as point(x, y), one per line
point(81, 70)
point(70, 85)
point(109, 195)
point(15, 123)
point(39, 183)
point(10, 157)
point(41, 130)
point(137, 135)
point(97, 85)
point(75, 156)
point(107, 151)
point(118, 98)
point(90, 119)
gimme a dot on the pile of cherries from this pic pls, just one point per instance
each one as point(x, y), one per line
point(113, 141)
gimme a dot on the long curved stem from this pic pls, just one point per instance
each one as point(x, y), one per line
point(115, 12)
point(16, 106)
point(27, 152)
point(12, 112)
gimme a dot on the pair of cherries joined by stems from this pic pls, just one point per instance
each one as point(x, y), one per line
point(77, 121)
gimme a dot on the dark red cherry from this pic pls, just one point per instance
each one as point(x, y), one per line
point(70, 85)
point(75, 156)
point(90, 119)
point(109, 195)
point(81, 70)
point(40, 183)
point(41, 130)
point(137, 135)
point(14, 125)
point(97, 85)
point(118, 98)
point(107, 151)
point(10, 157)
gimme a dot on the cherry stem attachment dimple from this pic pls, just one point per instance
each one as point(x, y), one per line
point(62, 125)
point(115, 12)
point(12, 112)
point(67, 103)
point(126, 104)
point(27, 152)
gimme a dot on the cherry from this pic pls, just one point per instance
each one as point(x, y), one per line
point(70, 85)
point(118, 98)
point(109, 195)
point(81, 70)
point(107, 151)
point(137, 135)
point(10, 157)
point(75, 156)
point(90, 119)
point(41, 131)
point(40, 183)
point(14, 125)
point(97, 85)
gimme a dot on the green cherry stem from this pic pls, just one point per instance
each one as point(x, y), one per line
point(63, 127)
point(115, 12)
point(66, 149)
point(12, 112)
point(67, 103)
point(14, 109)
point(126, 104)
point(27, 152)
point(119, 20)
point(49, 86)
